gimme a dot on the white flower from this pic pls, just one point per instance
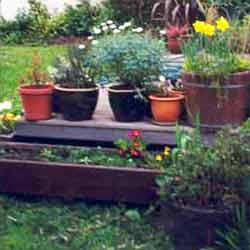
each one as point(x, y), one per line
point(109, 22)
point(127, 24)
point(81, 46)
point(104, 28)
point(90, 38)
point(162, 79)
point(97, 31)
point(5, 105)
point(116, 31)
point(113, 26)
point(103, 24)
point(163, 32)
point(138, 30)
point(122, 27)
point(94, 42)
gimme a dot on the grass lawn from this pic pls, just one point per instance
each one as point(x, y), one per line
point(15, 61)
point(28, 224)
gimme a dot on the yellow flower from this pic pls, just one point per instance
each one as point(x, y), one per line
point(166, 151)
point(222, 24)
point(199, 26)
point(159, 158)
point(9, 117)
point(209, 30)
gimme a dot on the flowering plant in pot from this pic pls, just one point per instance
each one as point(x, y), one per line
point(214, 72)
point(202, 185)
point(176, 35)
point(166, 105)
point(76, 91)
point(36, 92)
point(132, 60)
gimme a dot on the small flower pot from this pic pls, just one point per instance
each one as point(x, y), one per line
point(77, 104)
point(184, 111)
point(166, 109)
point(37, 101)
point(174, 45)
point(126, 105)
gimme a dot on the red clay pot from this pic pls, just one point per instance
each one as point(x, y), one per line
point(221, 106)
point(37, 101)
point(166, 109)
point(174, 45)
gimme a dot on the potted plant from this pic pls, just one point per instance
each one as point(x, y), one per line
point(215, 78)
point(76, 91)
point(36, 93)
point(132, 60)
point(166, 106)
point(176, 35)
point(202, 185)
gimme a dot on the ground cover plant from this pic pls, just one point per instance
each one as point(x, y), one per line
point(34, 224)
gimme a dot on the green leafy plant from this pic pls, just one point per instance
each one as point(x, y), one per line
point(35, 75)
point(209, 54)
point(132, 58)
point(73, 70)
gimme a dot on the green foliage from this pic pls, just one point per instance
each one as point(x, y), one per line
point(77, 19)
point(34, 224)
point(215, 177)
point(132, 58)
point(73, 70)
point(237, 236)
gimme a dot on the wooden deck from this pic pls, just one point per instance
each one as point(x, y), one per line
point(103, 128)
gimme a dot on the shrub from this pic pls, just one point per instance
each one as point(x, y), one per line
point(132, 58)
point(212, 177)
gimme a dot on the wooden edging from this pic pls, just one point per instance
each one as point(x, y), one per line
point(71, 181)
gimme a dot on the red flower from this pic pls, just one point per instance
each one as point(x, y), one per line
point(134, 153)
point(135, 134)
point(122, 152)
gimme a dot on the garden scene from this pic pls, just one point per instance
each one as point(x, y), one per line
point(125, 125)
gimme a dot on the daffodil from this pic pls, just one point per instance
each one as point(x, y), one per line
point(167, 151)
point(9, 117)
point(199, 26)
point(159, 158)
point(222, 24)
point(209, 30)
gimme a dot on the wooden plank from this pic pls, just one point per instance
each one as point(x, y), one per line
point(77, 181)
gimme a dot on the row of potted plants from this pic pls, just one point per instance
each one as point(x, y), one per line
point(215, 79)
point(131, 60)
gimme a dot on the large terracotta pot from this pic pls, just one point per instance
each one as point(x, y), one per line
point(37, 101)
point(125, 103)
point(217, 106)
point(77, 104)
point(166, 109)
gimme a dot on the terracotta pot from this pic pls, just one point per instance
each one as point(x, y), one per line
point(217, 106)
point(77, 104)
point(184, 111)
point(125, 103)
point(200, 228)
point(174, 45)
point(37, 101)
point(166, 109)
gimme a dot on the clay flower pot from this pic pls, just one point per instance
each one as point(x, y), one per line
point(166, 109)
point(37, 101)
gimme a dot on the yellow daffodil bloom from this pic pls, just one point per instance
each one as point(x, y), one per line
point(166, 151)
point(159, 158)
point(199, 26)
point(9, 117)
point(222, 24)
point(209, 30)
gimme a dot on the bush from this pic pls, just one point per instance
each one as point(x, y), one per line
point(77, 20)
point(212, 177)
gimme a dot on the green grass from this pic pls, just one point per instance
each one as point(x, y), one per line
point(14, 63)
point(50, 225)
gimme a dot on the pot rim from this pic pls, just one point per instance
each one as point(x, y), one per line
point(58, 87)
point(246, 72)
point(177, 97)
point(34, 89)
point(119, 91)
